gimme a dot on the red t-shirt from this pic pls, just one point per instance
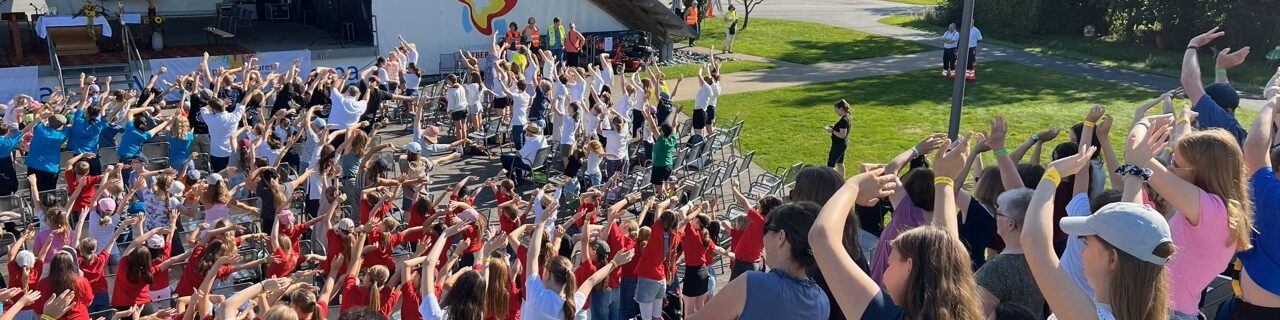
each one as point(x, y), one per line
point(748, 244)
point(366, 207)
point(191, 278)
point(337, 245)
point(79, 306)
point(382, 256)
point(514, 301)
point(471, 233)
point(417, 219)
point(409, 307)
point(695, 253)
point(294, 232)
point(586, 207)
point(126, 293)
point(354, 295)
point(94, 268)
point(507, 225)
point(161, 277)
point(584, 271)
point(618, 242)
point(282, 263)
point(33, 277)
point(650, 264)
point(86, 195)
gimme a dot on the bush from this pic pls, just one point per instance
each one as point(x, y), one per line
point(1027, 17)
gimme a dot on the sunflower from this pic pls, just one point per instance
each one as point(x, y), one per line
point(159, 19)
point(146, 21)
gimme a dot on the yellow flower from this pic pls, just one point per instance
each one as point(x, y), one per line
point(146, 21)
point(159, 19)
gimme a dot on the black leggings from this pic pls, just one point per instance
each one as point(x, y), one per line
point(973, 57)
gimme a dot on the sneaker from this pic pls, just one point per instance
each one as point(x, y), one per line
point(945, 73)
point(971, 75)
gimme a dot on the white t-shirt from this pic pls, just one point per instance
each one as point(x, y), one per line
point(519, 107)
point(100, 232)
point(543, 304)
point(593, 163)
point(457, 97)
point(568, 127)
point(473, 93)
point(615, 142)
point(702, 97)
point(974, 37)
point(346, 110)
point(220, 127)
point(413, 55)
point(411, 80)
point(715, 94)
point(577, 90)
point(954, 36)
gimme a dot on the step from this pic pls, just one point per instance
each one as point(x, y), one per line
point(96, 69)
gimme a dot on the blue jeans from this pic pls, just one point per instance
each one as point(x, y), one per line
point(517, 135)
point(593, 179)
point(627, 298)
point(101, 301)
point(605, 304)
point(558, 51)
point(511, 162)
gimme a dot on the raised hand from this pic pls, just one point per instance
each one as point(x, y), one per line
point(1047, 134)
point(1227, 59)
point(1073, 164)
point(1148, 137)
point(999, 131)
point(980, 143)
point(873, 185)
point(623, 256)
point(931, 143)
point(1095, 113)
point(951, 163)
point(1206, 37)
point(1104, 126)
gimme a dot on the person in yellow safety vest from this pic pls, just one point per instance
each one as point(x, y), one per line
point(691, 19)
point(555, 38)
point(512, 36)
point(531, 33)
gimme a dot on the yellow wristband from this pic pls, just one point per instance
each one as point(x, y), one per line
point(944, 180)
point(47, 317)
point(1088, 123)
point(1053, 176)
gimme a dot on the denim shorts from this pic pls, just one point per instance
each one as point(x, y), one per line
point(649, 290)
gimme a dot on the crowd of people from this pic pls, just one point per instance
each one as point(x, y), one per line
point(345, 220)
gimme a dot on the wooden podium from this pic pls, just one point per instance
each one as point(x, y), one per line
point(14, 18)
point(74, 40)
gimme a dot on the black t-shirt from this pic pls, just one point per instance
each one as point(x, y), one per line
point(842, 124)
point(538, 108)
point(977, 231)
point(198, 101)
point(376, 97)
point(283, 98)
point(572, 168)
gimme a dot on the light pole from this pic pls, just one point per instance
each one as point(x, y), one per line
point(957, 90)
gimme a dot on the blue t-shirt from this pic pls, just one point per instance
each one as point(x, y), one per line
point(84, 135)
point(8, 142)
point(882, 308)
point(180, 147)
point(1214, 116)
point(107, 139)
point(1262, 262)
point(131, 141)
point(768, 290)
point(46, 145)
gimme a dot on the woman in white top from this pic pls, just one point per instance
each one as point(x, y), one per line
point(221, 125)
point(411, 78)
point(950, 39)
point(591, 171)
point(569, 116)
point(713, 71)
point(457, 108)
point(700, 102)
point(475, 104)
point(520, 99)
point(615, 146)
point(554, 294)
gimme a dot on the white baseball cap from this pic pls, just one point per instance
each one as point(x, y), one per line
point(1133, 228)
point(345, 224)
point(25, 259)
point(155, 242)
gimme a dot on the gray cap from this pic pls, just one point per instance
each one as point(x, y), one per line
point(1133, 228)
point(25, 259)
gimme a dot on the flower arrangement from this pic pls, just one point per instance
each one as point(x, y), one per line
point(89, 11)
point(156, 22)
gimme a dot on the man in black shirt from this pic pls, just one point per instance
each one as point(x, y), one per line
point(378, 95)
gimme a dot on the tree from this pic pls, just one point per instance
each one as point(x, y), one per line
point(747, 7)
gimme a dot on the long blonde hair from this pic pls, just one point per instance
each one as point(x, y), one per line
point(1219, 169)
point(1138, 289)
point(560, 269)
point(377, 279)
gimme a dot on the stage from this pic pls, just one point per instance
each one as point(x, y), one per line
point(186, 36)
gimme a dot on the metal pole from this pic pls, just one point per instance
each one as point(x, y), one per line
point(962, 50)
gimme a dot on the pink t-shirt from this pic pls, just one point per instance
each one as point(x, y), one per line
point(1202, 252)
point(58, 240)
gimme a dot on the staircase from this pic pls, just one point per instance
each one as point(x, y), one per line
point(122, 74)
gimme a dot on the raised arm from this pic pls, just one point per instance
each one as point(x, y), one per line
point(827, 234)
point(1008, 168)
point(1257, 145)
point(1063, 296)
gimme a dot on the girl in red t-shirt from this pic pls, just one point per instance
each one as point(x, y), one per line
point(284, 254)
point(135, 274)
point(64, 274)
point(93, 264)
point(371, 290)
point(651, 270)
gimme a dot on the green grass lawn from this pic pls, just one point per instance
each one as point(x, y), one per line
point(803, 42)
point(1248, 77)
point(917, 2)
point(892, 112)
point(725, 67)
